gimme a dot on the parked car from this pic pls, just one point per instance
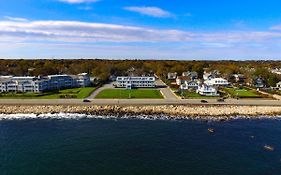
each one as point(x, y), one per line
point(220, 100)
point(204, 101)
point(86, 101)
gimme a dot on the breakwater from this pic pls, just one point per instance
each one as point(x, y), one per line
point(196, 112)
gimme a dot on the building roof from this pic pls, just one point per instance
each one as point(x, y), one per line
point(135, 78)
point(83, 74)
point(184, 78)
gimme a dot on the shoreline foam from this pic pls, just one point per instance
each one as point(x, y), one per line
point(208, 112)
point(77, 116)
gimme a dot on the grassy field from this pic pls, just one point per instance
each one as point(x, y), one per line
point(77, 93)
point(242, 93)
point(187, 94)
point(127, 94)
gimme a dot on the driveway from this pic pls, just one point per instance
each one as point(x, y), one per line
point(166, 91)
point(97, 91)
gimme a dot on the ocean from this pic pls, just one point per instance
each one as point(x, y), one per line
point(139, 147)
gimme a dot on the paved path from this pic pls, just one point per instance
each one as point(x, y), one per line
point(166, 91)
point(275, 96)
point(97, 91)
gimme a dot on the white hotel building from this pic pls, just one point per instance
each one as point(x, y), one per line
point(41, 84)
point(135, 82)
point(217, 82)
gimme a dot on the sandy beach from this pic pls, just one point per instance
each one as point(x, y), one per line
point(197, 112)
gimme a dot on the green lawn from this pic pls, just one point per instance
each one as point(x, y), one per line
point(242, 93)
point(187, 94)
point(127, 94)
point(78, 93)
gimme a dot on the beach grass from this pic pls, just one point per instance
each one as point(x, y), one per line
point(74, 93)
point(130, 94)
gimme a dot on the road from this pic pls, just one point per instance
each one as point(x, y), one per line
point(137, 102)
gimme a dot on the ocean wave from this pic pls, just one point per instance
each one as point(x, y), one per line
point(77, 116)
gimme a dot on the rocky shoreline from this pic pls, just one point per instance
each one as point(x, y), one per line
point(202, 112)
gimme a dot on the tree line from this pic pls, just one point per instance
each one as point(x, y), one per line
point(103, 69)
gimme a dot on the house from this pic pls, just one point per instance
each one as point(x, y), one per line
point(211, 75)
point(208, 76)
point(41, 84)
point(258, 83)
point(172, 76)
point(278, 86)
point(217, 82)
point(181, 79)
point(276, 71)
point(190, 85)
point(135, 82)
point(207, 90)
point(192, 75)
point(239, 78)
point(112, 78)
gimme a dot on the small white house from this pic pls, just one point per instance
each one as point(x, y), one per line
point(192, 84)
point(207, 90)
point(238, 78)
point(191, 75)
point(278, 86)
point(217, 82)
point(211, 75)
point(182, 79)
point(172, 76)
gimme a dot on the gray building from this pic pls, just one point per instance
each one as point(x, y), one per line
point(41, 84)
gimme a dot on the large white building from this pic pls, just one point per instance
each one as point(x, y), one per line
point(217, 82)
point(41, 84)
point(207, 90)
point(135, 82)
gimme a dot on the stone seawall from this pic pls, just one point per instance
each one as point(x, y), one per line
point(215, 112)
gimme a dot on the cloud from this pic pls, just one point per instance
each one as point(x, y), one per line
point(78, 1)
point(15, 18)
point(75, 39)
point(76, 31)
point(150, 11)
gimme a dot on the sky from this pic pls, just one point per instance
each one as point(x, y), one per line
point(141, 29)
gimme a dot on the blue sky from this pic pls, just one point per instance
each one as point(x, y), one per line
point(144, 29)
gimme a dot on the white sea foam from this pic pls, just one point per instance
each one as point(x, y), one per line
point(77, 116)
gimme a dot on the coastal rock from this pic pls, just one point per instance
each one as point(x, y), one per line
point(200, 112)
